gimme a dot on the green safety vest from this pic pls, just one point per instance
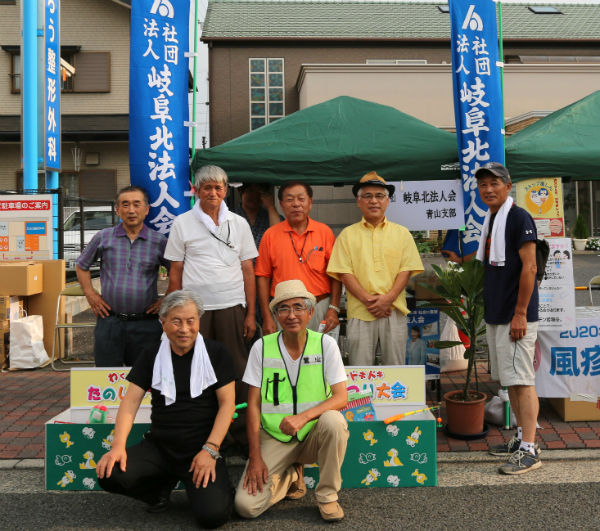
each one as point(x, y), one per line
point(280, 399)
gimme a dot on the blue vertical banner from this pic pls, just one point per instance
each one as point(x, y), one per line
point(477, 102)
point(52, 79)
point(158, 107)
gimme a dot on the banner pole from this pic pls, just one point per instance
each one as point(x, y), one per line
point(501, 57)
point(195, 89)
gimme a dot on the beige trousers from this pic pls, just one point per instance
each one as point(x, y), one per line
point(326, 443)
point(320, 310)
point(362, 337)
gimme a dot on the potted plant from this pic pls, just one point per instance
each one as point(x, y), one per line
point(580, 233)
point(162, 273)
point(462, 289)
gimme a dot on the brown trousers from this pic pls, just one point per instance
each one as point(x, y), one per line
point(227, 327)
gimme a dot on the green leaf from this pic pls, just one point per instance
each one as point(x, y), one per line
point(446, 344)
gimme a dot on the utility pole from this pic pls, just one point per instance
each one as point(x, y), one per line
point(29, 16)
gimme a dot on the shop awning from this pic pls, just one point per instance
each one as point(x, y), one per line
point(565, 143)
point(337, 142)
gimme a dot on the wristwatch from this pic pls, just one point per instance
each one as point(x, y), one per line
point(337, 310)
point(215, 455)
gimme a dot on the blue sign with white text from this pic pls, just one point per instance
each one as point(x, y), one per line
point(35, 227)
point(52, 79)
point(158, 107)
point(477, 102)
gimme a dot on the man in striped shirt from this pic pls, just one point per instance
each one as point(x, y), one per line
point(130, 255)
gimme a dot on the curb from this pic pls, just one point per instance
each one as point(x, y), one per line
point(443, 458)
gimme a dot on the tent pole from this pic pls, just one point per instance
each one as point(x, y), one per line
point(195, 89)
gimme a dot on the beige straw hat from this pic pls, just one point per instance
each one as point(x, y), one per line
point(291, 289)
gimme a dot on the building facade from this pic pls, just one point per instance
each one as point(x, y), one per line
point(270, 59)
point(95, 100)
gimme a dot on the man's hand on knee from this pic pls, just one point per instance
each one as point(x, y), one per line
point(257, 474)
point(108, 461)
point(293, 424)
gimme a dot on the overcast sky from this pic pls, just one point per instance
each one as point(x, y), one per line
point(202, 109)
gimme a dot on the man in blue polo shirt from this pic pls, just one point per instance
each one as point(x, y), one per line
point(510, 295)
point(127, 310)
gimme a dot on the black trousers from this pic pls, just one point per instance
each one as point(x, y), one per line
point(150, 471)
point(118, 342)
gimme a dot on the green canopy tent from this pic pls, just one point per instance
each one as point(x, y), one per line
point(337, 142)
point(565, 143)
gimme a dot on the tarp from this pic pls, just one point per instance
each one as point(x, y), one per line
point(565, 143)
point(338, 141)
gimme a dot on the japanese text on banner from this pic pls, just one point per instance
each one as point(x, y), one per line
point(52, 81)
point(158, 143)
point(477, 102)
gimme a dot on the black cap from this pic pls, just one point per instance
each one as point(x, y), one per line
point(495, 168)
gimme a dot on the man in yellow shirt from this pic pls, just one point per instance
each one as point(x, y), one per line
point(375, 259)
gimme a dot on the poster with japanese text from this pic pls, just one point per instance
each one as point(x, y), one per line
point(557, 290)
point(52, 85)
point(93, 386)
point(158, 107)
point(423, 332)
point(568, 361)
point(390, 385)
point(26, 227)
point(427, 205)
point(543, 200)
point(478, 107)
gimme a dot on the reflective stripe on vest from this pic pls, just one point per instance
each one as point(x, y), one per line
point(279, 399)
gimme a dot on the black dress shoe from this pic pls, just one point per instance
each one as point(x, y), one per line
point(164, 500)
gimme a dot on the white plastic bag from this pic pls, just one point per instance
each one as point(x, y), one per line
point(452, 359)
point(26, 342)
point(494, 411)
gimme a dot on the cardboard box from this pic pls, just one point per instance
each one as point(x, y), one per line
point(421, 293)
point(21, 278)
point(575, 411)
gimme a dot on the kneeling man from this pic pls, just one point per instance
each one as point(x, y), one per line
point(297, 387)
point(193, 402)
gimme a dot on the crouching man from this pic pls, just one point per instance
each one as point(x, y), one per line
point(193, 401)
point(297, 387)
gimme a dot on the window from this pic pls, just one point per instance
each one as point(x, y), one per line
point(544, 10)
point(92, 72)
point(15, 73)
point(444, 9)
point(267, 91)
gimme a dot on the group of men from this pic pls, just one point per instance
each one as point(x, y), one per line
point(228, 272)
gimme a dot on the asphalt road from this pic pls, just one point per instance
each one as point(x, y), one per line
point(561, 495)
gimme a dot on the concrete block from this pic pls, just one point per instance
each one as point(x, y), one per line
point(339, 214)
point(322, 192)
point(8, 463)
point(30, 463)
point(343, 192)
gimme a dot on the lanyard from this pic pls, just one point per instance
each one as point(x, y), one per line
point(299, 255)
point(228, 242)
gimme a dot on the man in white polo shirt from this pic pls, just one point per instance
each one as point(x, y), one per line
point(211, 251)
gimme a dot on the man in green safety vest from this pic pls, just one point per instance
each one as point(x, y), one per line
point(297, 387)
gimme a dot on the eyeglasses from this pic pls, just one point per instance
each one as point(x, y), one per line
point(368, 197)
point(285, 311)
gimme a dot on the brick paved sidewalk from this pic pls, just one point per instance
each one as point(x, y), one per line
point(556, 434)
point(28, 399)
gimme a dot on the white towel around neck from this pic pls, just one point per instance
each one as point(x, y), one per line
point(206, 219)
point(498, 245)
point(202, 374)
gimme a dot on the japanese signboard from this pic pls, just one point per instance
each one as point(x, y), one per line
point(90, 387)
point(427, 205)
point(568, 361)
point(477, 102)
point(390, 385)
point(543, 199)
point(52, 79)
point(158, 107)
point(26, 227)
point(557, 290)
point(423, 332)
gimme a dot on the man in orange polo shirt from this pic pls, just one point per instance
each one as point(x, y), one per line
point(298, 248)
